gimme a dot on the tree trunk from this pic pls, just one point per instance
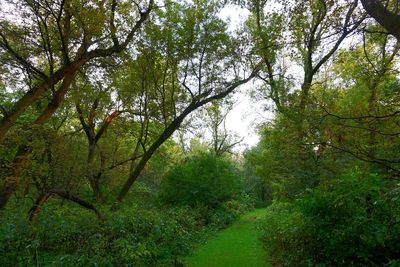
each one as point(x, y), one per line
point(134, 174)
point(301, 119)
point(66, 73)
point(77, 200)
point(34, 212)
point(372, 125)
point(92, 177)
point(58, 97)
point(388, 20)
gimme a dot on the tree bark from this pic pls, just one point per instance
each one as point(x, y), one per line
point(77, 200)
point(32, 95)
point(388, 20)
point(58, 97)
point(93, 138)
point(92, 177)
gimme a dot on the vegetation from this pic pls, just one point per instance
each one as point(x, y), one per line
point(204, 180)
point(333, 225)
point(142, 232)
point(115, 150)
point(328, 157)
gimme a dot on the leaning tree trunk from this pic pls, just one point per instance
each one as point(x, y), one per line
point(196, 103)
point(35, 210)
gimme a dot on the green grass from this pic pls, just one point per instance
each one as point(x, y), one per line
point(238, 245)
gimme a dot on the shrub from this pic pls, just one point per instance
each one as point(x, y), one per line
point(131, 237)
point(353, 220)
point(136, 235)
point(204, 179)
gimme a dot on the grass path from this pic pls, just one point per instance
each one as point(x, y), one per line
point(237, 246)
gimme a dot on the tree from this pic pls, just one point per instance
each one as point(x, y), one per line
point(203, 180)
point(62, 39)
point(198, 58)
point(215, 115)
point(386, 16)
point(94, 128)
point(50, 51)
point(365, 117)
point(306, 34)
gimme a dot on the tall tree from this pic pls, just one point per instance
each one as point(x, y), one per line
point(56, 39)
point(51, 45)
point(313, 32)
point(362, 121)
point(200, 61)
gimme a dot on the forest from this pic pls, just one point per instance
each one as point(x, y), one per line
point(115, 150)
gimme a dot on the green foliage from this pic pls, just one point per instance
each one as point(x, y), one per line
point(139, 234)
point(230, 210)
point(276, 161)
point(204, 179)
point(352, 220)
point(335, 109)
point(144, 239)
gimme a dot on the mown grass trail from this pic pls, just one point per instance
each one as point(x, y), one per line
point(239, 245)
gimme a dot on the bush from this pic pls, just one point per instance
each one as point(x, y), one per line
point(204, 180)
point(141, 233)
point(131, 237)
point(136, 235)
point(353, 220)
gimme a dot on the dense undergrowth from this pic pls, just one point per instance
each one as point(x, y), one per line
point(144, 231)
point(353, 220)
point(136, 235)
